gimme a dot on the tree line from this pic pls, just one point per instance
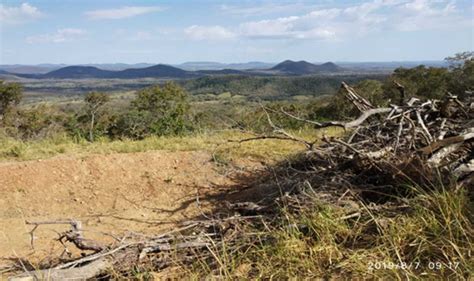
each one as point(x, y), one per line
point(166, 109)
point(156, 110)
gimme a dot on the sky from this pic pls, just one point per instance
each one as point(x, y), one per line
point(172, 32)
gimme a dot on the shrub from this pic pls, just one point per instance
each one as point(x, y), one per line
point(420, 81)
point(157, 110)
point(39, 122)
point(10, 95)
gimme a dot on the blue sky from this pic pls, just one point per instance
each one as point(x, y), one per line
point(110, 31)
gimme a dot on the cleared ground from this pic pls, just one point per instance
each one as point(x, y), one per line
point(116, 193)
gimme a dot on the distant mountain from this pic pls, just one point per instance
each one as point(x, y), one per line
point(88, 72)
point(159, 70)
point(303, 67)
point(29, 69)
point(45, 68)
point(295, 67)
point(5, 75)
point(329, 67)
point(251, 68)
point(119, 66)
point(78, 72)
point(287, 67)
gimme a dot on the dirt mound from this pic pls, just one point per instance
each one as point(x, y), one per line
point(142, 192)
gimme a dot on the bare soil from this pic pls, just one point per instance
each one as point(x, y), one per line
point(117, 193)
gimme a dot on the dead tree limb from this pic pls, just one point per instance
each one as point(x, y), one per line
point(345, 125)
point(85, 272)
point(423, 126)
point(278, 133)
point(400, 89)
point(75, 235)
point(360, 102)
point(447, 141)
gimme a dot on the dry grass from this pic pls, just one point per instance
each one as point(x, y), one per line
point(216, 143)
point(434, 242)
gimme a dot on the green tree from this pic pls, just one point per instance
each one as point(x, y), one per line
point(420, 81)
point(372, 90)
point(462, 73)
point(10, 96)
point(459, 59)
point(95, 101)
point(167, 107)
point(133, 124)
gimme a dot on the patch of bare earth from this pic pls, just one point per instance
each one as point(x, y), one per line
point(118, 193)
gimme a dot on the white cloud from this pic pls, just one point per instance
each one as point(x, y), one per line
point(122, 12)
point(60, 36)
point(276, 28)
point(355, 20)
point(423, 14)
point(215, 32)
point(265, 8)
point(23, 13)
point(294, 27)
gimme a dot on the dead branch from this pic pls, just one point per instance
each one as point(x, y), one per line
point(400, 89)
point(432, 147)
point(345, 125)
point(360, 102)
point(86, 272)
point(278, 133)
point(75, 235)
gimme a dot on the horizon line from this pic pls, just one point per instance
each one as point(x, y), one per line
point(155, 63)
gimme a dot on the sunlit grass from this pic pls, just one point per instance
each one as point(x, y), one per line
point(216, 143)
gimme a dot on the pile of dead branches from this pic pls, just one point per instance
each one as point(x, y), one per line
point(416, 142)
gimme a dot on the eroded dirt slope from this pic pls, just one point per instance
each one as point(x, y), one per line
point(116, 193)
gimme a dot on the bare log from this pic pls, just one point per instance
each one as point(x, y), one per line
point(84, 272)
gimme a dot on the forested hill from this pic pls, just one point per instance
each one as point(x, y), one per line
point(304, 68)
point(167, 71)
point(87, 72)
point(271, 87)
